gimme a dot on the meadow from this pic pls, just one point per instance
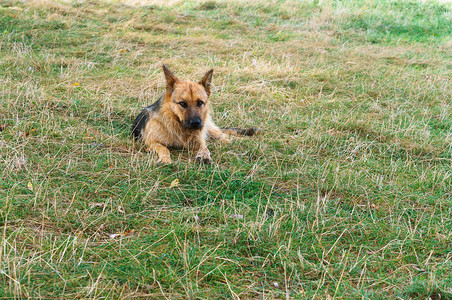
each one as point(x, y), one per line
point(345, 194)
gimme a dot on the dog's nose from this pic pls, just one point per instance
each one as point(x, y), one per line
point(195, 123)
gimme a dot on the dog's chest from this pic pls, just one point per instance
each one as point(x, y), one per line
point(170, 134)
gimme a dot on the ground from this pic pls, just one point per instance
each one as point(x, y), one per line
point(346, 193)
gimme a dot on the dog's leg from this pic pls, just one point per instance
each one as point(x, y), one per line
point(203, 154)
point(215, 132)
point(162, 152)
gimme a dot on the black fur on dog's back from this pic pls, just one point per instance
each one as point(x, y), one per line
point(139, 124)
point(143, 117)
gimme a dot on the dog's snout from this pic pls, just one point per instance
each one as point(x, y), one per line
point(195, 123)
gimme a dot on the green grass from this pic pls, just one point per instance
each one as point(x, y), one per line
point(346, 193)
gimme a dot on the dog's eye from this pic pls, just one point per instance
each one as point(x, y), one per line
point(183, 104)
point(199, 103)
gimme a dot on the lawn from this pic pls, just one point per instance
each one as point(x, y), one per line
point(345, 194)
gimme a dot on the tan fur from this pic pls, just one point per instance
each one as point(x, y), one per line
point(168, 126)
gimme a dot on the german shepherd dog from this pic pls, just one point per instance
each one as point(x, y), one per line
point(180, 118)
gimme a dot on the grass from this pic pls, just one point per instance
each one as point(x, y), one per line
point(345, 194)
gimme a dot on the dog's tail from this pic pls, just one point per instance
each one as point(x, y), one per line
point(240, 131)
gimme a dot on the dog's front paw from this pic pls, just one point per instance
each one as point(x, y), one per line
point(164, 160)
point(204, 157)
point(204, 160)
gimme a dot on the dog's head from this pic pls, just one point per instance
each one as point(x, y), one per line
point(188, 100)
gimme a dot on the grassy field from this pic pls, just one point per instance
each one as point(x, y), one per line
point(346, 194)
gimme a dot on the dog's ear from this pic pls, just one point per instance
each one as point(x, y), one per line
point(170, 79)
point(206, 80)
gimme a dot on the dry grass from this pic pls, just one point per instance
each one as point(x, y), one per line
point(345, 194)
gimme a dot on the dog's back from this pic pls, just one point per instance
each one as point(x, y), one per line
point(141, 120)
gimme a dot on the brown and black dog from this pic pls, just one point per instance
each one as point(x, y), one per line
point(180, 118)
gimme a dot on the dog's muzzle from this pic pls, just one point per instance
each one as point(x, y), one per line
point(195, 123)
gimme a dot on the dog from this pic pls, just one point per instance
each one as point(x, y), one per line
point(180, 118)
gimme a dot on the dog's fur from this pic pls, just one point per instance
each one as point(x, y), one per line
point(180, 118)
